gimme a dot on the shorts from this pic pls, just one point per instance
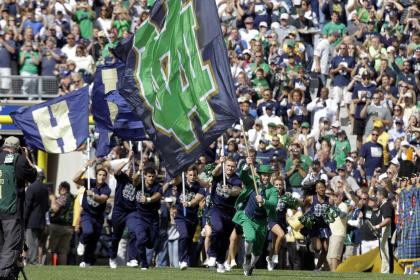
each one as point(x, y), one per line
point(60, 238)
point(359, 127)
point(5, 83)
point(282, 224)
point(335, 247)
point(337, 94)
point(347, 96)
point(320, 232)
point(238, 229)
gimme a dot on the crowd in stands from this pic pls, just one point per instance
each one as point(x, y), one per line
point(328, 92)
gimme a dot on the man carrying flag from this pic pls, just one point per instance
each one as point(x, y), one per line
point(255, 204)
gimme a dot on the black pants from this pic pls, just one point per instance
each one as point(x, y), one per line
point(11, 244)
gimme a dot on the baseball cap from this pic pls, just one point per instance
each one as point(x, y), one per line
point(336, 124)
point(378, 123)
point(382, 176)
point(264, 24)
point(271, 124)
point(258, 121)
point(350, 159)
point(249, 20)
point(243, 99)
point(12, 142)
point(305, 125)
point(284, 16)
point(405, 143)
point(269, 106)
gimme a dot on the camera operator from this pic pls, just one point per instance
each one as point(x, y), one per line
point(15, 169)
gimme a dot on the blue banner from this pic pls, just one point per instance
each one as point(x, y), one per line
point(110, 110)
point(178, 80)
point(59, 125)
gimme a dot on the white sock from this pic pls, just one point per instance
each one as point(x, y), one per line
point(248, 248)
point(254, 260)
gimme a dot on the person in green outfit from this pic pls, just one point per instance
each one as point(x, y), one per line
point(120, 21)
point(335, 26)
point(253, 211)
point(341, 148)
point(29, 63)
point(85, 17)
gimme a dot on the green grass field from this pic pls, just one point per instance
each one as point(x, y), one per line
point(104, 273)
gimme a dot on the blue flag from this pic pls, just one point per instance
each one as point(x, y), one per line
point(111, 112)
point(59, 125)
point(178, 80)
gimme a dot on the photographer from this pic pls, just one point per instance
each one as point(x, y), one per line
point(296, 169)
point(16, 169)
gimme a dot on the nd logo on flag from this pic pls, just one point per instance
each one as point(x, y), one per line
point(177, 78)
point(171, 75)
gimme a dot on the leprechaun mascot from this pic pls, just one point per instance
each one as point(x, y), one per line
point(253, 208)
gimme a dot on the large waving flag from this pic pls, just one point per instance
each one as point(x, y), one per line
point(178, 79)
point(111, 112)
point(59, 125)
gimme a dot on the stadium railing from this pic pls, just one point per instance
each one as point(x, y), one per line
point(29, 88)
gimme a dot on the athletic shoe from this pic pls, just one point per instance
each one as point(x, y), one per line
point(211, 262)
point(133, 263)
point(80, 249)
point(233, 264)
point(113, 263)
point(270, 264)
point(220, 268)
point(275, 259)
point(144, 268)
point(83, 264)
point(247, 265)
point(183, 265)
point(205, 263)
point(227, 266)
point(249, 272)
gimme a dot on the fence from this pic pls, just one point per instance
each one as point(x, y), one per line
point(28, 87)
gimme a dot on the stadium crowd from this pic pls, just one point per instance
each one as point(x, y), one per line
point(328, 95)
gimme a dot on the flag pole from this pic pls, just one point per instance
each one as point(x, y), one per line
point(140, 147)
point(252, 167)
point(222, 153)
point(183, 192)
point(88, 167)
point(133, 165)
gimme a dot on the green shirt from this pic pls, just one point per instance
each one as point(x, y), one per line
point(334, 27)
point(341, 150)
point(108, 46)
point(296, 179)
point(85, 20)
point(28, 65)
point(362, 14)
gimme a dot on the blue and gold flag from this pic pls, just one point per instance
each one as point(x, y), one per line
point(57, 126)
point(178, 80)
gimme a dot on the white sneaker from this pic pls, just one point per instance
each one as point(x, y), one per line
point(220, 268)
point(227, 266)
point(183, 265)
point(211, 262)
point(270, 265)
point(133, 263)
point(233, 264)
point(83, 264)
point(113, 263)
point(80, 249)
point(275, 259)
point(205, 263)
point(144, 268)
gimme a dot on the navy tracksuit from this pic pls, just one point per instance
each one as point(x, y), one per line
point(123, 215)
point(92, 220)
point(186, 224)
point(146, 223)
point(221, 214)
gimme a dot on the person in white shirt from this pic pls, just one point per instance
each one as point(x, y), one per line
point(338, 231)
point(322, 56)
point(321, 107)
point(248, 33)
point(269, 117)
point(256, 133)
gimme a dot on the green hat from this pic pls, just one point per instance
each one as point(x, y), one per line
point(305, 125)
point(271, 124)
point(265, 169)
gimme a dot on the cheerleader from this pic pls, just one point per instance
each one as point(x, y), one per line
point(320, 231)
point(277, 227)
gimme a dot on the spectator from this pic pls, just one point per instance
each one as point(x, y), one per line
point(7, 49)
point(371, 154)
point(29, 61)
point(61, 218)
point(69, 49)
point(322, 56)
point(85, 17)
point(36, 207)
